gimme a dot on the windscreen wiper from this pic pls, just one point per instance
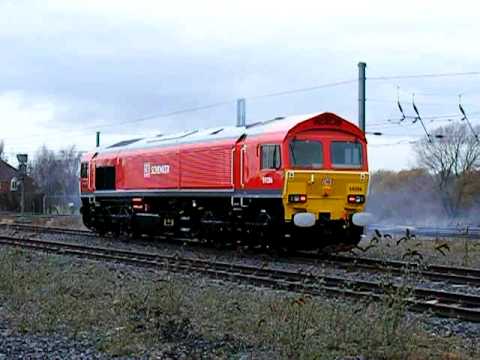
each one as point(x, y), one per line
point(291, 145)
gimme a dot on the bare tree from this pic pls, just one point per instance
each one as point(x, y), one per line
point(2, 150)
point(57, 175)
point(453, 158)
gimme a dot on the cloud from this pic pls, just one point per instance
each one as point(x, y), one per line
point(93, 63)
point(21, 118)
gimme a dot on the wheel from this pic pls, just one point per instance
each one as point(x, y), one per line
point(353, 236)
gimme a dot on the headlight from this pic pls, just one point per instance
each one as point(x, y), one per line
point(356, 199)
point(297, 198)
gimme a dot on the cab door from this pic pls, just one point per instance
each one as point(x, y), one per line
point(258, 166)
point(240, 168)
point(270, 166)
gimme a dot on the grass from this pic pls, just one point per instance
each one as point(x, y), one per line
point(445, 251)
point(127, 312)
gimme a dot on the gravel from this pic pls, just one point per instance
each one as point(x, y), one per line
point(175, 248)
point(27, 346)
point(54, 346)
point(32, 344)
point(449, 327)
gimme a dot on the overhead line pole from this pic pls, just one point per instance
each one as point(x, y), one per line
point(361, 95)
point(241, 112)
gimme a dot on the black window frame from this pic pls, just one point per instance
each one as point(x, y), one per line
point(346, 166)
point(84, 170)
point(276, 162)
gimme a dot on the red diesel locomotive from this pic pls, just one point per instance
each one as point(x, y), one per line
point(295, 181)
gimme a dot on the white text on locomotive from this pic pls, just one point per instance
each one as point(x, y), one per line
point(150, 169)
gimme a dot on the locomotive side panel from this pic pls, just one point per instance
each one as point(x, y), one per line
point(206, 167)
point(155, 169)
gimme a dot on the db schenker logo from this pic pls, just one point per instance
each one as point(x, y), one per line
point(150, 169)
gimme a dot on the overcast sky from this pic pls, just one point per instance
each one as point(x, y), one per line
point(70, 68)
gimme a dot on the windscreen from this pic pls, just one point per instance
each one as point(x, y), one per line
point(306, 154)
point(346, 154)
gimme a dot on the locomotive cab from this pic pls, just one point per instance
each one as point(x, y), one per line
point(326, 176)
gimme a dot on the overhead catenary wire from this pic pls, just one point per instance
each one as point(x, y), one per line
point(397, 125)
point(426, 103)
point(436, 136)
point(260, 96)
point(392, 122)
point(229, 102)
point(385, 124)
point(389, 122)
point(400, 142)
point(419, 76)
point(294, 91)
point(200, 108)
point(406, 139)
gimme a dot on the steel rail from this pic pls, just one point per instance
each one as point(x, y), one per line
point(451, 274)
point(440, 303)
point(426, 268)
point(48, 229)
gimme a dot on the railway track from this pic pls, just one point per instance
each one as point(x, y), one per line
point(451, 274)
point(455, 275)
point(440, 303)
point(48, 229)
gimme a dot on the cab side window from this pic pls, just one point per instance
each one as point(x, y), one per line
point(270, 157)
point(84, 170)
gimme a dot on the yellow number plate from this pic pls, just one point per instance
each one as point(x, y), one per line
point(356, 188)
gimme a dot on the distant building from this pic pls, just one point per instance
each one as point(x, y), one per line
point(10, 194)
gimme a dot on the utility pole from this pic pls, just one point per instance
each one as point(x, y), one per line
point(241, 112)
point(361, 95)
point(98, 139)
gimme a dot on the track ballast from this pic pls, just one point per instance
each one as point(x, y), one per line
point(440, 303)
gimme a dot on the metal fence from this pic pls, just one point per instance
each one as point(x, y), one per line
point(61, 204)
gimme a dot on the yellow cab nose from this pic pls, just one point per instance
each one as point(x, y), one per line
point(327, 192)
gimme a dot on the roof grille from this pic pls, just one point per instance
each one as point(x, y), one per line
point(124, 143)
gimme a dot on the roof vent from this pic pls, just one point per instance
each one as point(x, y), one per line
point(124, 143)
point(216, 131)
point(175, 136)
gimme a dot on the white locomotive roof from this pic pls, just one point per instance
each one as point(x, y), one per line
point(216, 133)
